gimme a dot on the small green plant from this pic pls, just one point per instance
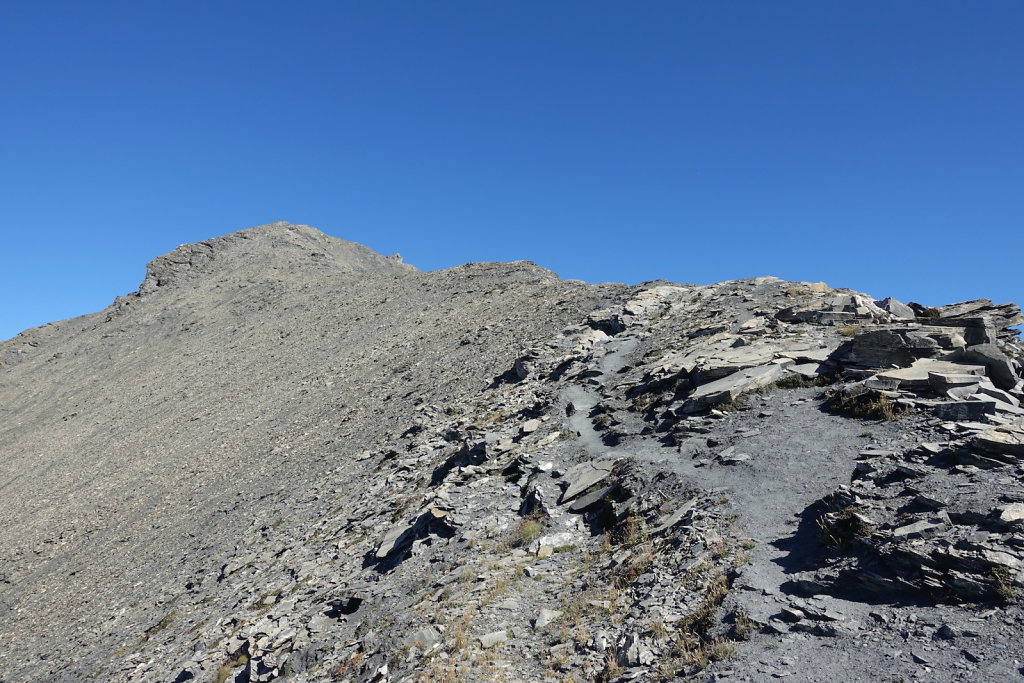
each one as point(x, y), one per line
point(1003, 583)
point(849, 331)
point(528, 531)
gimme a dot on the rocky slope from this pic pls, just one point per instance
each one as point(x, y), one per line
point(287, 457)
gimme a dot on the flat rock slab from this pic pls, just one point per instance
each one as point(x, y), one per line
point(583, 476)
point(1006, 440)
point(583, 502)
point(943, 381)
point(492, 639)
point(916, 376)
point(728, 388)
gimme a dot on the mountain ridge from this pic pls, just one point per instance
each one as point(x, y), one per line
point(269, 465)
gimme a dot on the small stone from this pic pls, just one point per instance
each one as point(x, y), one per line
point(493, 638)
point(1011, 514)
point(545, 617)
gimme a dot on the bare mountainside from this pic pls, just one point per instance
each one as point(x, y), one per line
point(287, 457)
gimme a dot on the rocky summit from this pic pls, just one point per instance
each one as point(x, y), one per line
point(289, 458)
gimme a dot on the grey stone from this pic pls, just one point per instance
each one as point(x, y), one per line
point(897, 308)
point(963, 410)
point(941, 382)
point(585, 501)
point(1010, 515)
point(423, 638)
point(546, 617)
point(916, 376)
point(999, 394)
point(728, 388)
point(1004, 440)
point(583, 476)
point(999, 367)
point(921, 529)
point(489, 640)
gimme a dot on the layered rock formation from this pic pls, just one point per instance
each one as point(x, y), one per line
point(289, 458)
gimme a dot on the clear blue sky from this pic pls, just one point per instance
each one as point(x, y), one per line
point(874, 145)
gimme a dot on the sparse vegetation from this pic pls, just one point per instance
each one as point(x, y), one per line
point(526, 532)
point(237, 660)
point(842, 529)
point(1003, 583)
point(870, 405)
point(629, 572)
point(849, 331)
point(797, 381)
point(743, 626)
point(719, 649)
point(161, 625)
point(629, 532)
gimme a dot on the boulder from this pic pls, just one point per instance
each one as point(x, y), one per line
point(728, 388)
point(491, 639)
point(1000, 367)
point(583, 476)
point(964, 410)
point(1004, 440)
point(897, 309)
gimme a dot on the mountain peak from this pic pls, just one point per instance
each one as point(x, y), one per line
point(278, 246)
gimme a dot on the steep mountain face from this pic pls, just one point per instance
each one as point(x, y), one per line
point(286, 457)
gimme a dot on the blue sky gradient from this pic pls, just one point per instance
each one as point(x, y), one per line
point(873, 145)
